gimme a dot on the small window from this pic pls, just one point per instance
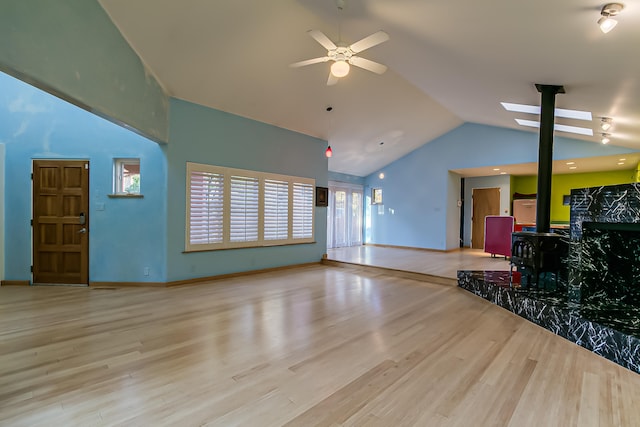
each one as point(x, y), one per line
point(376, 196)
point(126, 176)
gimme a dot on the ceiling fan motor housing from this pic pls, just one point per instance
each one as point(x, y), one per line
point(341, 53)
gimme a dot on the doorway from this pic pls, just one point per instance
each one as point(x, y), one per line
point(486, 201)
point(344, 216)
point(61, 222)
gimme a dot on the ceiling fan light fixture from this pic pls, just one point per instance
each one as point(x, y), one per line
point(606, 21)
point(340, 68)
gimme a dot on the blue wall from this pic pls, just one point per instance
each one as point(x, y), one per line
point(126, 235)
point(72, 48)
point(2, 239)
point(420, 194)
point(204, 135)
point(129, 235)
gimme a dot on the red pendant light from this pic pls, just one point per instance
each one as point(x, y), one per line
point(328, 152)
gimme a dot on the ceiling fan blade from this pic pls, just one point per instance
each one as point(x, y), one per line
point(332, 79)
point(309, 62)
point(369, 41)
point(322, 39)
point(368, 65)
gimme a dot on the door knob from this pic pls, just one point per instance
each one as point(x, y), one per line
point(82, 230)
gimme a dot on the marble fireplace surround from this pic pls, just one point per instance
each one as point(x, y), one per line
point(609, 262)
point(557, 313)
point(599, 307)
point(605, 243)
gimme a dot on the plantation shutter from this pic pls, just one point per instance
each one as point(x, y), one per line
point(243, 213)
point(234, 208)
point(276, 210)
point(302, 211)
point(206, 208)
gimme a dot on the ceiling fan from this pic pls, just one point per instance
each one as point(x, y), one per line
point(344, 55)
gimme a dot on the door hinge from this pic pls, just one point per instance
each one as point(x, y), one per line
point(32, 223)
point(31, 177)
point(86, 166)
point(32, 268)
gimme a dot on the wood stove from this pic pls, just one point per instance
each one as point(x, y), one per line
point(534, 253)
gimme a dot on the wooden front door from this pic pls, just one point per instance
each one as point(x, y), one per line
point(486, 201)
point(60, 221)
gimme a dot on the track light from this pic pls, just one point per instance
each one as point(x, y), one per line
point(340, 68)
point(605, 138)
point(606, 124)
point(609, 10)
point(607, 24)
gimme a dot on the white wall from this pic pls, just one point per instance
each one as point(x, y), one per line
point(503, 182)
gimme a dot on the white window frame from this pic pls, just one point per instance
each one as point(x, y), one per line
point(118, 175)
point(305, 188)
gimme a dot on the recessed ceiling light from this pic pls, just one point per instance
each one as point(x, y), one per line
point(621, 163)
point(573, 167)
point(503, 173)
point(571, 163)
point(496, 169)
point(559, 128)
point(559, 112)
point(621, 160)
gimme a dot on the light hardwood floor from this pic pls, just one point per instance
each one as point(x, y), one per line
point(436, 263)
point(310, 346)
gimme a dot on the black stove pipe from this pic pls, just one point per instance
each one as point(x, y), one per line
point(545, 156)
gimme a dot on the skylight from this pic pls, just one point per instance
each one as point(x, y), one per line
point(573, 129)
point(559, 112)
point(557, 127)
point(530, 123)
point(574, 114)
point(521, 108)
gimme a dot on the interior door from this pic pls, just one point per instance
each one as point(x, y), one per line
point(60, 221)
point(486, 201)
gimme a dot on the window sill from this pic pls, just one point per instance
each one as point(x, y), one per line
point(191, 251)
point(125, 196)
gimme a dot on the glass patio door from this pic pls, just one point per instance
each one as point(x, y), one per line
point(344, 222)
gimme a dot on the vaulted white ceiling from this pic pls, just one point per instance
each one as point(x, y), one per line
point(449, 62)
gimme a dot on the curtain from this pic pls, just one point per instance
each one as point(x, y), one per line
point(344, 215)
